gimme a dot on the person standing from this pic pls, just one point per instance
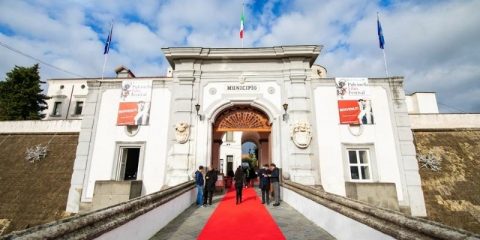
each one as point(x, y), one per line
point(264, 183)
point(275, 178)
point(199, 182)
point(210, 180)
point(239, 179)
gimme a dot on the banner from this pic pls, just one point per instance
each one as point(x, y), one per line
point(134, 108)
point(354, 105)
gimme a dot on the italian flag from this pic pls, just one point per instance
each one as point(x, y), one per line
point(241, 26)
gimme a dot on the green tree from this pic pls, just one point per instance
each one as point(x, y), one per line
point(21, 97)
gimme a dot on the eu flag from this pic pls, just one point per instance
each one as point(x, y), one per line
point(109, 41)
point(380, 34)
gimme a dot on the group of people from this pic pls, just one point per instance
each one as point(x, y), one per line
point(205, 187)
point(268, 175)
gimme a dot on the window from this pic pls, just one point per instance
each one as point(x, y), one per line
point(129, 163)
point(229, 136)
point(57, 109)
point(78, 108)
point(359, 164)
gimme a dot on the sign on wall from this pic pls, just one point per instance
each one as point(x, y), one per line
point(134, 108)
point(354, 104)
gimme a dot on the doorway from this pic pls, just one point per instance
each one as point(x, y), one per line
point(238, 126)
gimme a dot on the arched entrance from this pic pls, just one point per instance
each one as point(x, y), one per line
point(232, 128)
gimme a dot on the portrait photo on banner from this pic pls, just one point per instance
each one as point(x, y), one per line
point(135, 99)
point(354, 103)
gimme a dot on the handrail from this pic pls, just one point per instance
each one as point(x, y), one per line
point(390, 222)
point(93, 224)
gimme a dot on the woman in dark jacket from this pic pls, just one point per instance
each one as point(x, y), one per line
point(239, 178)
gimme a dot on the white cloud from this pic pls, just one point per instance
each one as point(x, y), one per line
point(433, 44)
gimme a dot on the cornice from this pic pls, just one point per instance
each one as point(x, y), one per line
point(176, 53)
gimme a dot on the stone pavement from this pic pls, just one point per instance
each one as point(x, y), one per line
point(190, 223)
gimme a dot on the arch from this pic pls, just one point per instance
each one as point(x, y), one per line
point(215, 108)
point(242, 118)
point(239, 116)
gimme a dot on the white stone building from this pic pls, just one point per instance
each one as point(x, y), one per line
point(272, 96)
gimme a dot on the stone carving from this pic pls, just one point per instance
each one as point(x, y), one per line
point(36, 153)
point(429, 161)
point(271, 90)
point(182, 132)
point(301, 134)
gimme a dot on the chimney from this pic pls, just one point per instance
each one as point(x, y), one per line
point(123, 72)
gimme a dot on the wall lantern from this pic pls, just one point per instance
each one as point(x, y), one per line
point(285, 115)
point(197, 107)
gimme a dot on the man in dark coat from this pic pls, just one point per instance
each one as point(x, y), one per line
point(275, 179)
point(210, 180)
point(264, 183)
point(199, 182)
point(239, 179)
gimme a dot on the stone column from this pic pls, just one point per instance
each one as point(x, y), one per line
point(299, 161)
point(87, 131)
point(264, 152)
point(215, 162)
point(181, 156)
point(411, 175)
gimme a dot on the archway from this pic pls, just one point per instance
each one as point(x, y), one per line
point(235, 126)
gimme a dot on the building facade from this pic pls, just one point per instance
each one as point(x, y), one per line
point(158, 130)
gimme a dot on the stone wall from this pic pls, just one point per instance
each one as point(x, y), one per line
point(452, 194)
point(35, 193)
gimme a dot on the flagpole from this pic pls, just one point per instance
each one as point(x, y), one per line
point(104, 64)
point(243, 27)
point(107, 48)
point(382, 42)
point(385, 61)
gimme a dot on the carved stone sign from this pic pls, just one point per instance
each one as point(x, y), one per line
point(242, 88)
point(301, 134)
point(182, 132)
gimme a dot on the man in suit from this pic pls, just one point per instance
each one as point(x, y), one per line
point(264, 183)
point(275, 179)
point(210, 180)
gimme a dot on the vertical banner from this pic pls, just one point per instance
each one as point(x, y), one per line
point(354, 104)
point(134, 108)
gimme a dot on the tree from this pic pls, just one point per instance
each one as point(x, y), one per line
point(21, 97)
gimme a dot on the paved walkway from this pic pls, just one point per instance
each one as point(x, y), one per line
point(190, 223)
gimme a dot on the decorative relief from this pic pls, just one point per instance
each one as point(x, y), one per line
point(301, 134)
point(242, 118)
point(271, 90)
point(182, 132)
point(212, 91)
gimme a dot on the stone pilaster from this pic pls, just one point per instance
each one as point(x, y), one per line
point(300, 160)
point(408, 153)
point(181, 157)
point(85, 144)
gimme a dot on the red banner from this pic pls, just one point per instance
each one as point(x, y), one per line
point(126, 113)
point(348, 111)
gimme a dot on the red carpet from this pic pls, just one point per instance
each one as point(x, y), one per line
point(248, 220)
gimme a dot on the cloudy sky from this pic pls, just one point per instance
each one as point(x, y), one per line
point(434, 44)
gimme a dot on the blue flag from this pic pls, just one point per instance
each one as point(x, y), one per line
point(381, 40)
point(108, 42)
